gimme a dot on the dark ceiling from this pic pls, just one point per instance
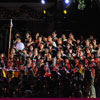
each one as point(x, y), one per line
point(35, 1)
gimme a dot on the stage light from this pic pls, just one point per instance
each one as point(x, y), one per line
point(44, 11)
point(67, 1)
point(43, 2)
point(65, 11)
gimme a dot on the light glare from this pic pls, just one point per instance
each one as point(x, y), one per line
point(66, 1)
point(43, 1)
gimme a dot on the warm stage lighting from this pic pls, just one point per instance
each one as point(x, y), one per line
point(42, 1)
point(67, 1)
point(65, 11)
point(44, 11)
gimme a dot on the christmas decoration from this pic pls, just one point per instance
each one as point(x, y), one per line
point(81, 4)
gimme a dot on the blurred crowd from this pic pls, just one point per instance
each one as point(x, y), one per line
point(51, 66)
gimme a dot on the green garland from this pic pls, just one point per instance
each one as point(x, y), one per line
point(81, 4)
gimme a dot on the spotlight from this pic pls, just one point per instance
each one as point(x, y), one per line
point(65, 12)
point(43, 2)
point(44, 11)
point(67, 1)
